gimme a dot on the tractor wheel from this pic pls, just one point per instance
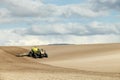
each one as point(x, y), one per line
point(30, 54)
point(35, 56)
point(45, 55)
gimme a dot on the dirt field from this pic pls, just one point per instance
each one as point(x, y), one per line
point(65, 62)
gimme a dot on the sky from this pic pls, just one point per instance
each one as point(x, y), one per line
point(42, 22)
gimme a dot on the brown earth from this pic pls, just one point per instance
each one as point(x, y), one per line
point(65, 62)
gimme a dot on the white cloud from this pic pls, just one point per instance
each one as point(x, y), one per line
point(105, 28)
point(94, 39)
point(83, 11)
point(94, 28)
point(22, 7)
point(57, 31)
point(23, 10)
point(70, 33)
point(10, 38)
point(94, 32)
point(3, 12)
point(29, 40)
point(101, 5)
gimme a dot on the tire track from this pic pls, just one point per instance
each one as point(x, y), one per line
point(13, 50)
